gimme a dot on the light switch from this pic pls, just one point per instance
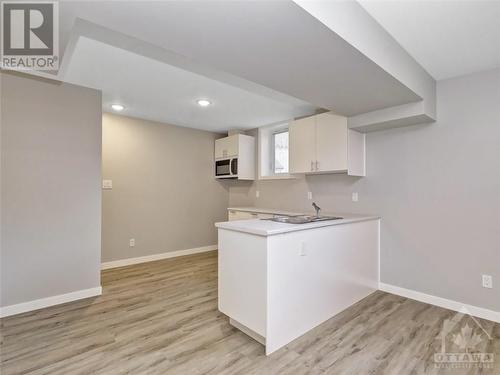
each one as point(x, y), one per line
point(107, 184)
point(309, 195)
point(354, 197)
point(257, 193)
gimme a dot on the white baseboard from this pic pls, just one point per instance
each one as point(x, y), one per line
point(152, 258)
point(247, 331)
point(49, 301)
point(478, 312)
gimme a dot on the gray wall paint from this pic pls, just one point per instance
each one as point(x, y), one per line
point(437, 188)
point(50, 188)
point(164, 193)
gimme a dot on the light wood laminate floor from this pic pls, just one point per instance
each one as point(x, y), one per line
point(162, 318)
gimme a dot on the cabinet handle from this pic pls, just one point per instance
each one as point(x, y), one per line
point(312, 166)
point(317, 165)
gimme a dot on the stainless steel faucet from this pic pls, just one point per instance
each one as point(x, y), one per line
point(317, 208)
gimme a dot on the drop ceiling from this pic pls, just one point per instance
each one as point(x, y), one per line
point(158, 91)
point(448, 38)
point(268, 46)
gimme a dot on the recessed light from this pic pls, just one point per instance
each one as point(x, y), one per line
point(203, 102)
point(117, 107)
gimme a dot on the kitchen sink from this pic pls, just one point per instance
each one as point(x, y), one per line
point(302, 219)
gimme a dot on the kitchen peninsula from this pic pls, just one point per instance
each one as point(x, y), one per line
point(279, 280)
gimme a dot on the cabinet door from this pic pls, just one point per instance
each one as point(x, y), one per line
point(242, 215)
point(302, 145)
point(265, 216)
point(232, 215)
point(331, 142)
point(226, 147)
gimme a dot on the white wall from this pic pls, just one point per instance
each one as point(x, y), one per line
point(50, 189)
point(437, 188)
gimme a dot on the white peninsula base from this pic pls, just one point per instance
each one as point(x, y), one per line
point(277, 281)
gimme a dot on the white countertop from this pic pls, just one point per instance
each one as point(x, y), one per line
point(269, 228)
point(261, 210)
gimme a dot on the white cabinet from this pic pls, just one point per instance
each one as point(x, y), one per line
point(277, 287)
point(237, 150)
point(241, 215)
point(323, 144)
point(227, 147)
point(331, 145)
point(302, 145)
point(245, 215)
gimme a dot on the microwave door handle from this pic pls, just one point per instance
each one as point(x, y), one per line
point(234, 166)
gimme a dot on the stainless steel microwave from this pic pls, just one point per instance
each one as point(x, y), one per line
point(226, 168)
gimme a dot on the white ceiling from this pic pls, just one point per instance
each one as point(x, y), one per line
point(158, 91)
point(274, 44)
point(448, 38)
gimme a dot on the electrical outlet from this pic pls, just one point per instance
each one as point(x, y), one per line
point(131, 242)
point(309, 195)
point(257, 193)
point(355, 197)
point(487, 281)
point(303, 250)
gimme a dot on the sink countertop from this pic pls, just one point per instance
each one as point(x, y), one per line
point(269, 228)
point(261, 210)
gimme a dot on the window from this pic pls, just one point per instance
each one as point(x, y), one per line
point(272, 159)
point(280, 151)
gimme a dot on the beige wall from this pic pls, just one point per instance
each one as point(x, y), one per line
point(50, 188)
point(437, 188)
point(164, 193)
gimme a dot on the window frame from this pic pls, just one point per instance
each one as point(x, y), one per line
point(265, 147)
point(273, 150)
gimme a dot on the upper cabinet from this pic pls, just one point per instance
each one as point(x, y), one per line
point(323, 144)
point(227, 147)
point(235, 157)
point(302, 145)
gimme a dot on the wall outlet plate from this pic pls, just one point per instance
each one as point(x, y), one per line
point(131, 242)
point(257, 193)
point(107, 184)
point(309, 195)
point(487, 281)
point(303, 249)
point(355, 197)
